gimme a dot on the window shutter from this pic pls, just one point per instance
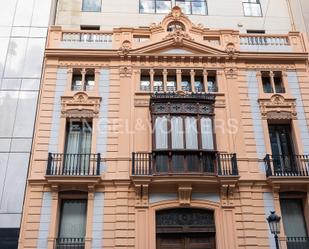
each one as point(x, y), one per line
point(191, 133)
point(177, 133)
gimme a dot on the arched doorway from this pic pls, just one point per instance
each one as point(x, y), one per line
point(185, 228)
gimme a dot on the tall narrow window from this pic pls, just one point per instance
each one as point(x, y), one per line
point(145, 81)
point(279, 88)
point(191, 133)
point(252, 8)
point(293, 218)
point(207, 134)
point(72, 227)
point(177, 133)
point(89, 81)
point(199, 83)
point(212, 82)
point(161, 132)
point(185, 83)
point(91, 5)
point(78, 148)
point(266, 81)
point(77, 83)
point(171, 83)
point(158, 83)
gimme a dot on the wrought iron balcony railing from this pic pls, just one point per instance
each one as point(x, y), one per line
point(287, 165)
point(60, 164)
point(297, 242)
point(184, 162)
point(70, 243)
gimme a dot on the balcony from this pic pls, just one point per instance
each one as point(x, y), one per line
point(73, 167)
point(199, 165)
point(287, 168)
point(297, 242)
point(70, 243)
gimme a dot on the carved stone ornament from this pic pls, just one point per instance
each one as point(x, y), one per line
point(80, 105)
point(231, 73)
point(125, 47)
point(278, 107)
point(178, 35)
point(184, 195)
point(231, 50)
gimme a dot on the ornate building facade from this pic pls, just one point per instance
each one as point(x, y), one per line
point(169, 136)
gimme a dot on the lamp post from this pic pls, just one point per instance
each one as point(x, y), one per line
point(274, 225)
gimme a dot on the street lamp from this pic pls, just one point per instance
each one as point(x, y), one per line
point(274, 225)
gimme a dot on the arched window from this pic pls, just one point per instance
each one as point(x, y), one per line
point(173, 26)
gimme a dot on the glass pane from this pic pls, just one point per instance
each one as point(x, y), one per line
point(191, 133)
point(267, 84)
point(199, 8)
point(199, 86)
point(73, 219)
point(77, 84)
point(177, 133)
point(212, 85)
point(92, 5)
point(147, 6)
point(158, 84)
point(163, 6)
point(145, 83)
point(161, 133)
point(185, 6)
point(162, 163)
point(193, 163)
point(293, 217)
point(89, 82)
point(207, 134)
point(185, 84)
point(252, 9)
point(171, 84)
point(178, 163)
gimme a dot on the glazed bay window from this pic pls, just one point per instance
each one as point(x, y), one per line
point(91, 5)
point(83, 80)
point(252, 7)
point(173, 80)
point(72, 224)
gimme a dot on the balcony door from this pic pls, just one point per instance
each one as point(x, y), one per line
point(78, 147)
point(185, 228)
point(72, 227)
point(294, 223)
point(282, 147)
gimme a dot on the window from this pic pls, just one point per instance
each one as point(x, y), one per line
point(83, 80)
point(155, 6)
point(145, 81)
point(91, 5)
point(193, 7)
point(212, 82)
point(72, 224)
point(141, 38)
point(184, 133)
point(189, 7)
point(252, 8)
point(272, 82)
point(173, 26)
point(255, 31)
point(89, 27)
point(78, 148)
point(293, 218)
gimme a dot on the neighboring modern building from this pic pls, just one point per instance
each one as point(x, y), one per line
point(158, 129)
point(23, 31)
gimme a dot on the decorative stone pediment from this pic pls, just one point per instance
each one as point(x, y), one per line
point(278, 107)
point(80, 105)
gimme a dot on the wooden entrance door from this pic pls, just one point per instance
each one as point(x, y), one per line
point(186, 241)
point(185, 229)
